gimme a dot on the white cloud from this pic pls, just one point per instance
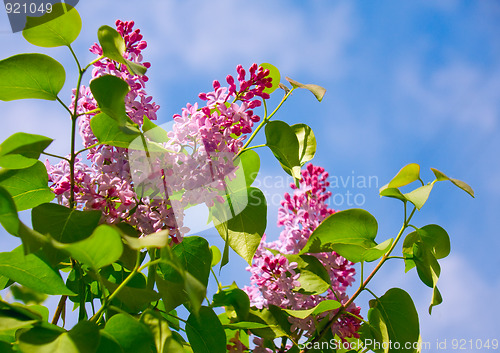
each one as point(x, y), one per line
point(460, 93)
point(196, 36)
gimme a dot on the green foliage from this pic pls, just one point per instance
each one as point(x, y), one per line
point(205, 332)
point(106, 262)
point(84, 337)
point(323, 306)
point(418, 197)
point(394, 318)
point(243, 231)
point(22, 150)
point(282, 141)
point(27, 295)
point(274, 73)
point(32, 272)
point(109, 92)
point(440, 176)
point(30, 76)
point(28, 186)
point(194, 255)
point(109, 131)
point(57, 28)
point(233, 298)
point(113, 47)
point(176, 284)
point(131, 335)
point(102, 248)
point(165, 342)
point(314, 278)
point(318, 91)
point(307, 142)
point(350, 233)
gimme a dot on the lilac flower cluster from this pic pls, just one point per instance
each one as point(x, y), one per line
point(213, 134)
point(274, 279)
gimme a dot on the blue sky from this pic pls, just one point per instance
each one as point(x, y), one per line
point(406, 82)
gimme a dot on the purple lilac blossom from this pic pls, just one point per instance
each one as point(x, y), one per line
point(274, 279)
point(214, 133)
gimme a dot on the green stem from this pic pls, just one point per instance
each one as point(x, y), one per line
point(90, 112)
point(366, 281)
point(216, 279)
point(153, 255)
point(64, 105)
point(373, 294)
point(76, 59)
point(56, 156)
point(176, 317)
point(108, 300)
point(264, 121)
point(88, 148)
point(252, 147)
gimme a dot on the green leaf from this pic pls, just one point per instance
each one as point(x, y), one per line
point(194, 255)
point(314, 278)
point(110, 132)
point(318, 91)
point(22, 150)
point(274, 318)
point(307, 142)
point(350, 233)
point(164, 340)
point(109, 91)
point(178, 286)
point(433, 236)
point(155, 240)
point(440, 176)
point(84, 337)
point(246, 325)
point(419, 196)
point(216, 255)
point(134, 299)
point(282, 141)
point(247, 168)
point(57, 28)
point(428, 268)
point(235, 298)
point(205, 332)
point(108, 344)
point(392, 192)
point(400, 317)
point(102, 248)
point(12, 320)
point(378, 334)
point(64, 225)
point(27, 295)
point(408, 174)
point(323, 306)
point(28, 187)
point(32, 272)
point(245, 230)
point(132, 336)
point(113, 47)
point(274, 73)
point(154, 132)
point(6, 347)
point(436, 299)
point(30, 76)
point(8, 213)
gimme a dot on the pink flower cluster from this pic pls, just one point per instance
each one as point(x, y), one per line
point(275, 280)
point(202, 145)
